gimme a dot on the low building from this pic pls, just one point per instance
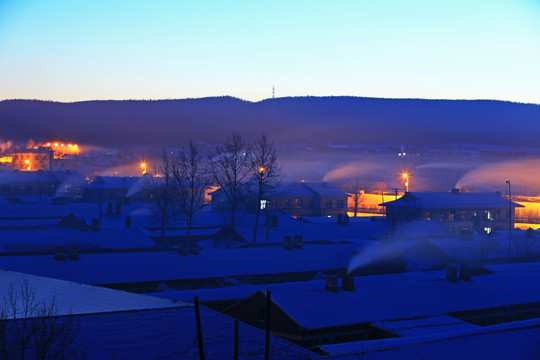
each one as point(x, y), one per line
point(61, 183)
point(31, 159)
point(98, 323)
point(404, 306)
point(455, 209)
point(113, 189)
point(295, 198)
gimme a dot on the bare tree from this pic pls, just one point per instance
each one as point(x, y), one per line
point(50, 165)
point(229, 167)
point(33, 329)
point(266, 174)
point(192, 180)
point(163, 192)
point(356, 193)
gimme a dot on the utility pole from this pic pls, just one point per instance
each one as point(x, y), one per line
point(235, 355)
point(199, 330)
point(267, 334)
point(509, 218)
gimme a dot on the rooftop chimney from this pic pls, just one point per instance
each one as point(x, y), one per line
point(332, 283)
point(452, 273)
point(347, 282)
point(465, 272)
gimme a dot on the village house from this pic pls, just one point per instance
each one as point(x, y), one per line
point(482, 212)
point(393, 306)
point(113, 189)
point(61, 183)
point(294, 198)
point(31, 159)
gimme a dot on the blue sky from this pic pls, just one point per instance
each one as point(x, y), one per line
point(115, 49)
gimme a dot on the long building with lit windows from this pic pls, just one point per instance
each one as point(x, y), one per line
point(456, 210)
point(31, 159)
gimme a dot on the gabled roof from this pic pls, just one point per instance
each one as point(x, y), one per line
point(74, 298)
point(293, 189)
point(15, 176)
point(301, 188)
point(448, 200)
point(114, 182)
point(108, 268)
point(324, 189)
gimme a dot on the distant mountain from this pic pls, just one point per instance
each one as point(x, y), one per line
point(313, 120)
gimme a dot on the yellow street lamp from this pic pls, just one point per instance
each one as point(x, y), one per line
point(143, 166)
point(406, 177)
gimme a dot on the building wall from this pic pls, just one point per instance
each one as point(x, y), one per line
point(455, 219)
point(30, 161)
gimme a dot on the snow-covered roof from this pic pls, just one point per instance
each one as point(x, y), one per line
point(169, 265)
point(316, 232)
point(78, 298)
point(115, 182)
point(134, 326)
point(448, 200)
point(46, 239)
point(293, 189)
point(514, 340)
point(401, 296)
point(302, 188)
point(9, 177)
point(324, 189)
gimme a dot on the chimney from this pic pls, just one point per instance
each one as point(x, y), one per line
point(332, 283)
point(287, 242)
point(95, 224)
point(298, 242)
point(452, 273)
point(128, 221)
point(465, 272)
point(347, 282)
point(118, 209)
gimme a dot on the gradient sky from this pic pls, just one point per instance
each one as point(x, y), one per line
point(114, 49)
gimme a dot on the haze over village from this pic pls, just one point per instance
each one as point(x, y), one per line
point(279, 180)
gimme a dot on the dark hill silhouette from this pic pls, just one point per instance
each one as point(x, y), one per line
point(296, 119)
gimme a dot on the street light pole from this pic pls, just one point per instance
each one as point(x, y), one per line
point(509, 218)
point(406, 176)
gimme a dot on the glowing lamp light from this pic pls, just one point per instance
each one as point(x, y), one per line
point(261, 169)
point(406, 177)
point(27, 161)
point(56, 144)
point(143, 166)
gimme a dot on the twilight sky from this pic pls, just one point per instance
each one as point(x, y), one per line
point(68, 50)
